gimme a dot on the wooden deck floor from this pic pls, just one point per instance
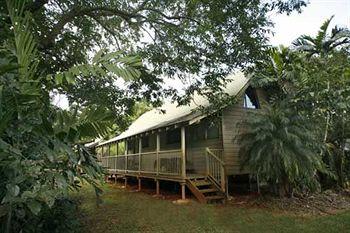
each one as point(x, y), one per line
point(167, 177)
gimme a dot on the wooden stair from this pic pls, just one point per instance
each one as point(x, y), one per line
point(205, 190)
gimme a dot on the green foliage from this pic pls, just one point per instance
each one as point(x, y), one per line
point(61, 217)
point(313, 77)
point(120, 66)
point(202, 40)
point(42, 147)
point(278, 72)
point(280, 147)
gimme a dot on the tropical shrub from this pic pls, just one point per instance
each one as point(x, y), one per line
point(63, 216)
point(42, 153)
point(280, 147)
point(313, 76)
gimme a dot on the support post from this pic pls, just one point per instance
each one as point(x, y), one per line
point(183, 191)
point(140, 152)
point(107, 157)
point(158, 149)
point(139, 180)
point(126, 153)
point(207, 161)
point(227, 187)
point(115, 159)
point(223, 178)
point(157, 187)
point(183, 152)
point(125, 182)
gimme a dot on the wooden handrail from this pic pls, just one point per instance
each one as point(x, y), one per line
point(217, 158)
point(162, 162)
point(168, 151)
point(148, 153)
point(216, 169)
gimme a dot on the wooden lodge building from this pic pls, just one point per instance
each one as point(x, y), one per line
point(182, 145)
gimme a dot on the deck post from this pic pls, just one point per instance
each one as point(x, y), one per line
point(157, 187)
point(107, 157)
point(140, 151)
point(139, 180)
point(223, 178)
point(183, 152)
point(158, 149)
point(126, 153)
point(115, 160)
point(183, 191)
point(207, 161)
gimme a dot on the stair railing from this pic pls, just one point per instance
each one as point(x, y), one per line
point(215, 169)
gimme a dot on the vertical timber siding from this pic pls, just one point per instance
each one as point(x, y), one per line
point(232, 127)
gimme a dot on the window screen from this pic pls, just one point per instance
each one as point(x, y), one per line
point(113, 149)
point(145, 141)
point(121, 148)
point(199, 132)
point(173, 136)
point(105, 151)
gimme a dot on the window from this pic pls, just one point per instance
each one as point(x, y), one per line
point(173, 136)
point(251, 99)
point(213, 130)
point(145, 142)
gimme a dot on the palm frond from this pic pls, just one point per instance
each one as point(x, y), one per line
point(321, 36)
point(25, 45)
point(280, 146)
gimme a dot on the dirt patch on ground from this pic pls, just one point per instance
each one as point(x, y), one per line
point(133, 188)
point(325, 203)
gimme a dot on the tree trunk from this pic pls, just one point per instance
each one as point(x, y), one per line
point(327, 121)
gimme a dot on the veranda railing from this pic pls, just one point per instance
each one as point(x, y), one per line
point(166, 162)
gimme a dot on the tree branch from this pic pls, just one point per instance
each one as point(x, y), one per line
point(96, 12)
point(107, 29)
point(36, 5)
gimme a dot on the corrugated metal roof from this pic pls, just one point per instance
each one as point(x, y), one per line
point(171, 113)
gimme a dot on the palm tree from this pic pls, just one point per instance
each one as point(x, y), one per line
point(280, 148)
point(323, 44)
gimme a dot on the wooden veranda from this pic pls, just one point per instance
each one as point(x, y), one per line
point(170, 165)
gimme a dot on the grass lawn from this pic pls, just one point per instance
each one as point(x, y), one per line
point(125, 211)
